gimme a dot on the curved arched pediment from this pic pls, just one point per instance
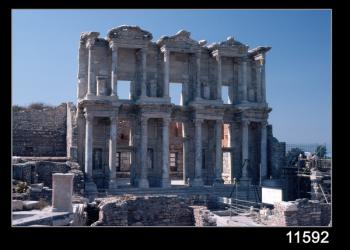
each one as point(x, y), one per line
point(229, 43)
point(126, 32)
point(181, 38)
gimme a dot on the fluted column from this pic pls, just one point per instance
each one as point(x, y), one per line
point(198, 75)
point(245, 148)
point(198, 181)
point(90, 186)
point(143, 181)
point(112, 153)
point(166, 72)
point(165, 156)
point(218, 152)
point(244, 80)
point(144, 71)
point(219, 82)
point(263, 153)
point(114, 76)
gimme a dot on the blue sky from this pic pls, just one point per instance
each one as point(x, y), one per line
point(298, 71)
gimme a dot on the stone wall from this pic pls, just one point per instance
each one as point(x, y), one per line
point(302, 212)
point(276, 155)
point(202, 217)
point(145, 211)
point(39, 131)
point(41, 172)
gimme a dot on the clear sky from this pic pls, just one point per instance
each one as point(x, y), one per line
point(298, 71)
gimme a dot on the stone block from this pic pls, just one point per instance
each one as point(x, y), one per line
point(62, 192)
point(17, 205)
point(30, 205)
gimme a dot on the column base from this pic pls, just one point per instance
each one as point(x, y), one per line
point(218, 182)
point(90, 187)
point(166, 183)
point(197, 182)
point(112, 185)
point(143, 183)
point(244, 181)
point(90, 96)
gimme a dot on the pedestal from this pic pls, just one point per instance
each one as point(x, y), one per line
point(62, 190)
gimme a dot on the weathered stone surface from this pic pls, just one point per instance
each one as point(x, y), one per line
point(145, 211)
point(62, 192)
point(29, 205)
point(302, 212)
point(39, 131)
point(17, 205)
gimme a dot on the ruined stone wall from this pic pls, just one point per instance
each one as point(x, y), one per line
point(145, 211)
point(40, 131)
point(41, 172)
point(276, 155)
point(302, 212)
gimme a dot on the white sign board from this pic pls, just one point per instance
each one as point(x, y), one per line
point(271, 195)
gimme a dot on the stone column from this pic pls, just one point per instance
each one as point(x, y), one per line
point(143, 181)
point(112, 153)
point(90, 186)
point(262, 77)
point(244, 80)
point(258, 83)
point(114, 76)
point(218, 153)
point(185, 151)
point(62, 190)
point(245, 148)
point(263, 153)
point(219, 83)
point(89, 45)
point(144, 72)
point(198, 75)
point(165, 156)
point(166, 72)
point(198, 181)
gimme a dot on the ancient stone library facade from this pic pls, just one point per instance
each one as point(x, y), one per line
point(204, 140)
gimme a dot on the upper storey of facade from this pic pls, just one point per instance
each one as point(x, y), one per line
point(128, 54)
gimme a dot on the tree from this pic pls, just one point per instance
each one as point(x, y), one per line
point(321, 151)
point(292, 156)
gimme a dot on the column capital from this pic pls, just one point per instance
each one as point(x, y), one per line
point(143, 50)
point(166, 121)
point(245, 122)
point(198, 121)
point(219, 121)
point(113, 46)
point(89, 117)
point(113, 118)
point(164, 50)
point(144, 120)
point(218, 57)
point(90, 43)
point(264, 123)
point(260, 58)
